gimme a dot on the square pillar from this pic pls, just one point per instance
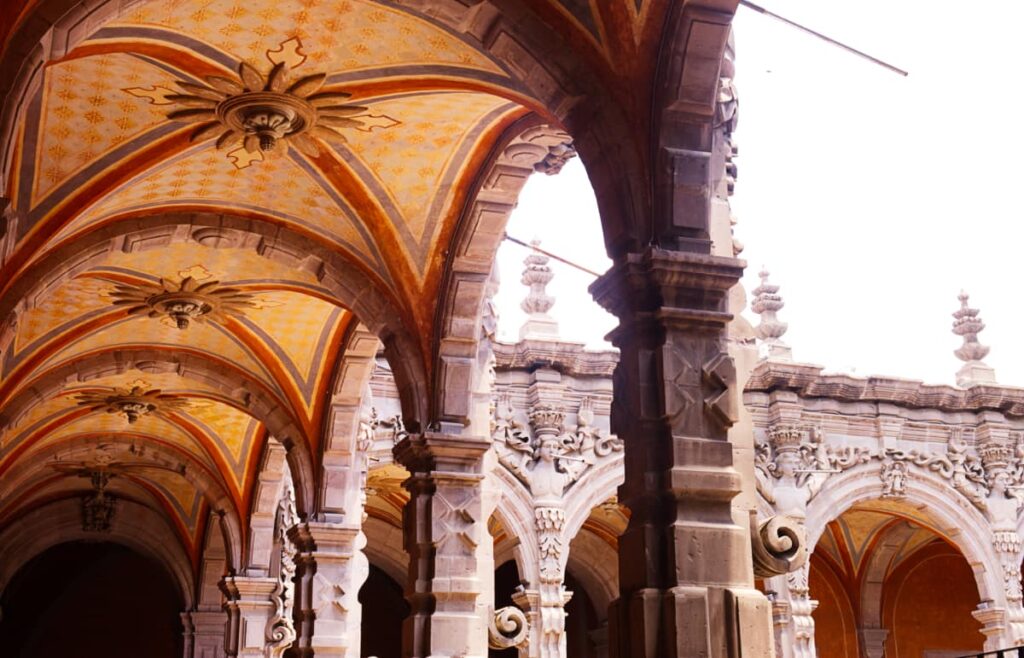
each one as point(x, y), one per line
point(450, 565)
point(250, 605)
point(330, 567)
point(686, 574)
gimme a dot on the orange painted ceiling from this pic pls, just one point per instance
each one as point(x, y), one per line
point(97, 147)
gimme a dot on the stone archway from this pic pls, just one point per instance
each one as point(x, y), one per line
point(92, 599)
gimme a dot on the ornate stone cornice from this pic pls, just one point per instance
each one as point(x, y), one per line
point(566, 357)
point(808, 381)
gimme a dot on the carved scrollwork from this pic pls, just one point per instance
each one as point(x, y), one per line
point(507, 627)
point(779, 545)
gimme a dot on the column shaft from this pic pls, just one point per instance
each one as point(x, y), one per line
point(448, 545)
point(686, 579)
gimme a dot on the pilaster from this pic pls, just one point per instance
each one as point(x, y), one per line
point(685, 567)
point(872, 641)
point(208, 632)
point(250, 606)
point(187, 635)
point(449, 549)
point(330, 567)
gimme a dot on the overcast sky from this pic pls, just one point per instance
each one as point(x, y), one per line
point(872, 198)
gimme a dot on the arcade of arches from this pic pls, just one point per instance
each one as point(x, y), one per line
point(251, 398)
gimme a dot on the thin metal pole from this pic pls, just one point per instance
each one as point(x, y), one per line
point(551, 255)
point(761, 10)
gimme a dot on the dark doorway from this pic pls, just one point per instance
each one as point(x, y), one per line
point(91, 600)
point(384, 610)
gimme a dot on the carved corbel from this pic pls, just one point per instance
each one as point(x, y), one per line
point(507, 627)
point(779, 545)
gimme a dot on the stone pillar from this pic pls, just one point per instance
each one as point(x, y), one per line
point(686, 577)
point(450, 561)
point(250, 606)
point(208, 631)
point(994, 626)
point(330, 567)
point(599, 636)
point(792, 609)
point(872, 642)
point(545, 608)
point(187, 634)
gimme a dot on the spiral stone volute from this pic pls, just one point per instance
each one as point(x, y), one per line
point(508, 627)
point(779, 545)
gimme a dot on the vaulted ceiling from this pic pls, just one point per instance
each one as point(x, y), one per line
point(113, 363)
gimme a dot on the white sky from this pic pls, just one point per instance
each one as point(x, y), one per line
point(872, 198)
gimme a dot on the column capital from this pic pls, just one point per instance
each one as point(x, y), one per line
point(248, 588)
point(322, 537)
point(681, 287)
point(431, 451)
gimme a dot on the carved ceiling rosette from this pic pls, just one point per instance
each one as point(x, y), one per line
point(183, 302)
point(257, 112)
point(132, 403)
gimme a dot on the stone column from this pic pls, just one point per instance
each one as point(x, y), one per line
point(187, 634)
point(792, 609)
point(872, 642)
point(599, 636)
point(686, 578)
point(450, 562)
point(250, 606)
point(994, 626)
point(330, 567)
point(208, 630)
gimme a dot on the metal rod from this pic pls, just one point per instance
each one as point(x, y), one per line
point(551, 255)
point(761, 10)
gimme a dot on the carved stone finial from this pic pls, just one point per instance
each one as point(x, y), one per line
point(537, 275)
point(767, 302)
point(968, 325)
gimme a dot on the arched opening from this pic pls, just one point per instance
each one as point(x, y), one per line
point(886, 580)
point(384, 609)
point(92, 600)
point(581, 620)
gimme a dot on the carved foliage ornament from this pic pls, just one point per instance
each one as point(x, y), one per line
point(260, 111)
point(132, 403)
point(183, 302)
point(280, 628)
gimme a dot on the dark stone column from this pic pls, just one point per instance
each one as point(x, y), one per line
point(686, 579)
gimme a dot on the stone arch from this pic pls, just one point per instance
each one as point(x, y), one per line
point(594, 563)
point(245, 396)
point(266, 493)
point(877, 570)
point(478, 234)
point(384, 548)
point(135, 526)
point(25, 475)
point(367, 298)
point(515, 512)
point(954, 517)
point(339, 480)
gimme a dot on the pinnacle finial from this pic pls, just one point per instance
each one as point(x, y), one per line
point(536, 276)
point(767, 302)
point(968, 325)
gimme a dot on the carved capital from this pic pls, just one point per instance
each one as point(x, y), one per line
point(679, 289)
point(432, 451)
